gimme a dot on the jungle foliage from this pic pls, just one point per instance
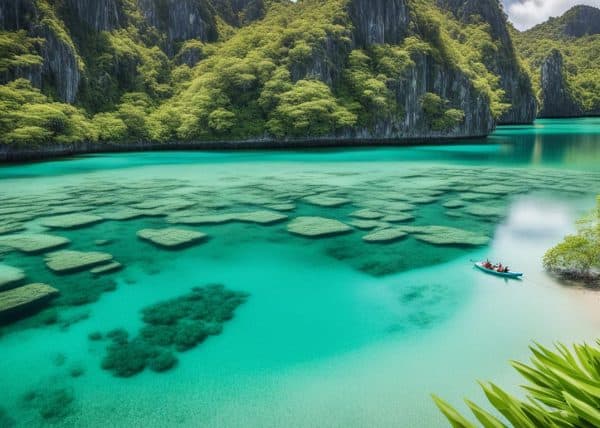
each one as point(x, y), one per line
point(578, 256)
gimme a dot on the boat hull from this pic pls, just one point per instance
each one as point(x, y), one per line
point(513, 275)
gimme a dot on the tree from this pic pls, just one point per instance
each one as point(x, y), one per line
point(578, 256)
point(309, 109)
point(437, 115)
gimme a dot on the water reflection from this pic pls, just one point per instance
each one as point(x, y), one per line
point(571, 143)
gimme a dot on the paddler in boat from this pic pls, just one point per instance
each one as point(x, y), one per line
point(502, 269)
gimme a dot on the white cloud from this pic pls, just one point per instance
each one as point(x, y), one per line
point(527, 13)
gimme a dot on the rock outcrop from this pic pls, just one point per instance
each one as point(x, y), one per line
point(99, 15)
point(17, 14)
point(22, 301)
point(379, 21)
point(60, 69)
point(325, 62)
point(582, 21)
point(563, 52)
point(388, 21)
point(557, 100)
point(181, 19)
point(514, 80)
point(240, 12)
point(428, 76)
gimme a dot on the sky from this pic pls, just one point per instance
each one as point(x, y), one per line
point(525, 14)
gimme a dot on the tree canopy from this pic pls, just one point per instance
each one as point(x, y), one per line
point(578, 256)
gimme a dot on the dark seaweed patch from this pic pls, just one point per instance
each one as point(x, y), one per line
point(5, 420)
point(95, 336)
point(76, 371)
point(53, 404)
point(178, 324)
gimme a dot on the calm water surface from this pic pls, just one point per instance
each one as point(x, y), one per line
point(336, 331)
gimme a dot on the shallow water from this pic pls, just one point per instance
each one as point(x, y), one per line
point(336, 331)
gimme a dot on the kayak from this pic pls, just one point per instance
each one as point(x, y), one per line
point(515, 275)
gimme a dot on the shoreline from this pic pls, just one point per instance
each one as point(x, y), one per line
point(22, 154)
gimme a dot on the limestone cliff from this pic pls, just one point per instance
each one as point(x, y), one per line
point(503, 61)
point(181, 20)
point(562, 54)
point(254, 70)
point(428, 76)
point(379, 21)
point(72, 35)
point(581, 21)
point(557, 100)
point(17, 14)
point(61, 69)
point(240, 12)
point(99, 15)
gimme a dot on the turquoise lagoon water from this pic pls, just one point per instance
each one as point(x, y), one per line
point(336, 331)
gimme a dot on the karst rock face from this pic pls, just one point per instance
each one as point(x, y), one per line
point(60, 67)
point(371, 22)
point(379, 21)
point(181, 19)
point(99, 15)
point(388, 21)
point(63, 70)
point(513, 79)
point(582, 21)
point(239, 12)
point(561, 54)
point(17, 14)
point(557, 99)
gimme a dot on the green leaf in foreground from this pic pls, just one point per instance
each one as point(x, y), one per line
point(563, 390)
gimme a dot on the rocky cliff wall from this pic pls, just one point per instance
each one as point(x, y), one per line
point(388, 21)
point(583, 21)
point(513, 79)
point(379, 21)
point(181, 19)
point(60, 69)
point(557, 100)
point(240, 12)
point(428, 76)
point(17, 14)
point(99, 15)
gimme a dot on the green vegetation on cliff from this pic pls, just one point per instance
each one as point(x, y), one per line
point(17, 50)
point(296, 72)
